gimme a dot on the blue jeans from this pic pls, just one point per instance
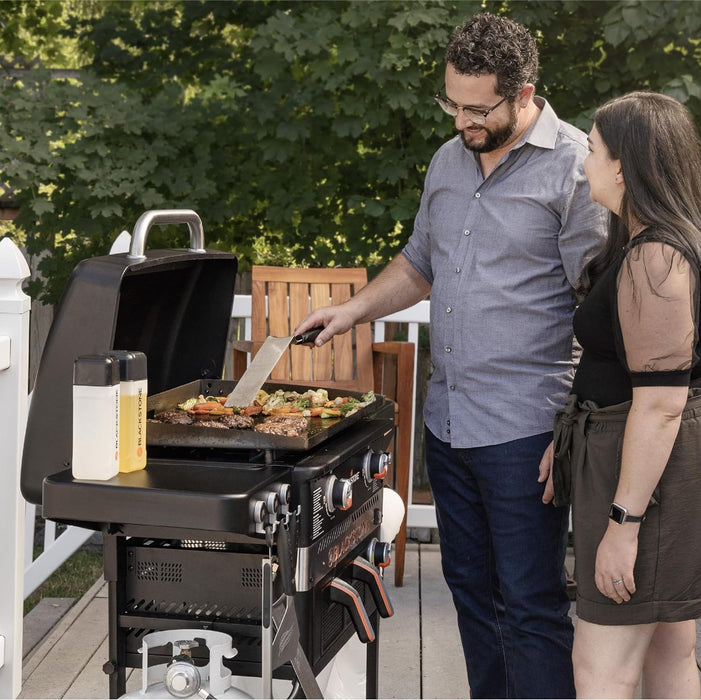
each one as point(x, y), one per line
point(503, 555)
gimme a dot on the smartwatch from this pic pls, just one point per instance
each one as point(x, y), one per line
point(620, 515)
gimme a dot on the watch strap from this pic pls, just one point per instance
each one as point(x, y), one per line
point(634, 518)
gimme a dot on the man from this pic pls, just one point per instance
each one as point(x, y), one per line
point(504, 228)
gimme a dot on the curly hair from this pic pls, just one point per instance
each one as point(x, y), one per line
point(487, 44)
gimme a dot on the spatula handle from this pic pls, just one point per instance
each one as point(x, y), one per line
point(308, 336)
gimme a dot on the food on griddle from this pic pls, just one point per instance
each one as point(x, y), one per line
point(236, 421)
point(207, 408)
point(290, 419)
point(211, 424)
point(175, 417)
point(287, 412)
point(202, 403)
point(287, 425)
point(312, 403)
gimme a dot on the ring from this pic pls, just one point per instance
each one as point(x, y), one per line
point(617, 581)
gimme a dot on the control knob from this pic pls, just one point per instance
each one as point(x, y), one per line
point(339, 494)
point(272, 502)
point(284, 492)
point(379, 553)
point(259, 511)
point(375, 465)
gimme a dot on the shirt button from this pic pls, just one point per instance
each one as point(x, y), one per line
point(448, 348)
point(458, 269)
point(448, 422)
point(477, 195)
point(467, 231)
point(448, 431)
point(449, 309)
point(452, 387)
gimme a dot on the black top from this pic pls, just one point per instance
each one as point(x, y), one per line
point(638, 326)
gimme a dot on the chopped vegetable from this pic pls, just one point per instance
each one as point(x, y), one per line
point(187, 405)
point(312, 403)
point(275, 400)
point(351, 406)
point(261, 397)
point(318, 397)
point(281, 410)
point(314, 411)
point(252, 410)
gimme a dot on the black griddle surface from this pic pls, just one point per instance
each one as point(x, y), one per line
point(320, 429)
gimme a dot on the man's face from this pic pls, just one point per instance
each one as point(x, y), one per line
point(478, 91)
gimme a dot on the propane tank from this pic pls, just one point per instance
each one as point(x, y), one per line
point(180, 677)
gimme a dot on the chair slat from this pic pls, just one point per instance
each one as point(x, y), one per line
point(363, 356)
point(259, 313)
point(343, 360)
point(278, 324)
point(299, 308)
point(322, 370)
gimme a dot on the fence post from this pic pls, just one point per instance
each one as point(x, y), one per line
point(14, 377)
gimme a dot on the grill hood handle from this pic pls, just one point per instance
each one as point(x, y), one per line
point(166, 216)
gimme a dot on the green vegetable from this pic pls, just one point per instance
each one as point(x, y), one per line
point(350, 405)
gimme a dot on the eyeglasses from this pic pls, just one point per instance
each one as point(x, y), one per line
point(478, 116)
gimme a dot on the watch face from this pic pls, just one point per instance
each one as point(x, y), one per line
point(617, 513)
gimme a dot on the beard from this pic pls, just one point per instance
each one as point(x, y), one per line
point(491, 138)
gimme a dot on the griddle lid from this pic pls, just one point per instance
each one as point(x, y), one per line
point(172, 305)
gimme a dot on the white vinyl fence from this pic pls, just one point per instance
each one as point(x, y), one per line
point(14, 371)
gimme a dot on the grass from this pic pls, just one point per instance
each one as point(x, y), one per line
point(73, 578)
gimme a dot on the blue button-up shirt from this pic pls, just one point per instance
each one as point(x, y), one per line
point(502, 255)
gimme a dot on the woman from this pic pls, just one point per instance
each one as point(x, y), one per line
point(633, 422)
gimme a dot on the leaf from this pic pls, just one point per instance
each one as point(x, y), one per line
point(41, 206)
point(374, 208)
point(634, 16)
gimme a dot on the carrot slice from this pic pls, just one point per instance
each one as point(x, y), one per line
point(252, 410)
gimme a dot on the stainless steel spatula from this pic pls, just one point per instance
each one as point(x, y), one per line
point(262, 365)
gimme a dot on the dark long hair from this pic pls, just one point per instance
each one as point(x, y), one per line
point(654, 137)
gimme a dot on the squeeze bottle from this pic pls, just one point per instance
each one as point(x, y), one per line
point(133, 391)
point(95, 417)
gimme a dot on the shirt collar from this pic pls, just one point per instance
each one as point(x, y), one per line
point(543, 132)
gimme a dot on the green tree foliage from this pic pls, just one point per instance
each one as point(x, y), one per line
point(592, 51)
point(299, 131)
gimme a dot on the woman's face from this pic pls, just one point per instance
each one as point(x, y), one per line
point(606, 185)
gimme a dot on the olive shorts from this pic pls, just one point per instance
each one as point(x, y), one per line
point(588, 445)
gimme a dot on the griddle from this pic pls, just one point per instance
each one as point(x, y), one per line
point(170, 435)
point(187, 533)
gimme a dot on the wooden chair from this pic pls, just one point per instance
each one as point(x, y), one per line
point(280, 298)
